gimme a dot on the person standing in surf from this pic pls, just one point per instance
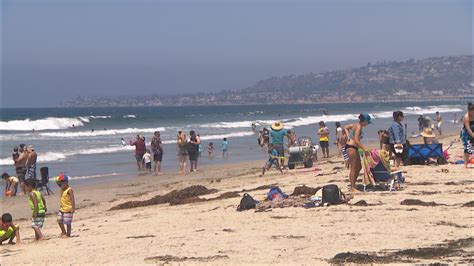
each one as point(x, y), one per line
point(157, 150)
point(439, 122)
point(31, 162)
point(182, 143)
point(354, 135)
point(140, 148)
point(193, 150)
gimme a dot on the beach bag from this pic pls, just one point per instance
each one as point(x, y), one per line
point(332, 194)
point(246, 203)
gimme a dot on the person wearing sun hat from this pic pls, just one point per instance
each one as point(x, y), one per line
point(67, 205)
point(428, 136)
point(278, 135)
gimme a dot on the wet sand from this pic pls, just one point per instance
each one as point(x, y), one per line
point(433, 213)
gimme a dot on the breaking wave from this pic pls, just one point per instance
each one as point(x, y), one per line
point(48, 123)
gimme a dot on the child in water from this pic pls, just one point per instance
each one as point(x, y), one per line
point(67, 205)
point(272, 161)
point(38, 208)
point(8, 230)
point(225, 146)
point(147, 160)
point(210, 150)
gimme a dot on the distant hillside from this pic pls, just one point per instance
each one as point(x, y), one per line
point(437, 77)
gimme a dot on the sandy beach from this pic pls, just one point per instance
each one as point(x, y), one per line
point(374, 226)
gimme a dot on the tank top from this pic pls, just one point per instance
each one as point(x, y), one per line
point(66, 203)
point(39, 199)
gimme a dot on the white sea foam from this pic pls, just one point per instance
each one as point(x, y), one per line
point(108, 132)
point(218, 136)
point(129, 116)
point(48, 123)
point(92, 176)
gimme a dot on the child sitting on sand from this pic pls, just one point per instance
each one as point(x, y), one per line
point(67, 205)
point(147, 160)
point(210, 150)
point(273, 160)
point(11, 186)
point(38, 208)
point(225, 146)
point(8, 230)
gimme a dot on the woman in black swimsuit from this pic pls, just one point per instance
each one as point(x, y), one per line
point(467, 133)
point(354, 133)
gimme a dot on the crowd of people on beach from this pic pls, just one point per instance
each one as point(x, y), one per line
point(187, 148)
point(348, 140)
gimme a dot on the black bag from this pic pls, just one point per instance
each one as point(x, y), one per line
point(246, 203)
point(332, 195)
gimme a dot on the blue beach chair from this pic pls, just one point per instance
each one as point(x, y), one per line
point(420, 153)
point(384, 178)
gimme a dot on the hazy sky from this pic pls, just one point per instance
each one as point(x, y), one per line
point(56, 50)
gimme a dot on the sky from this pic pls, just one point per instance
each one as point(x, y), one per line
point(56, 50)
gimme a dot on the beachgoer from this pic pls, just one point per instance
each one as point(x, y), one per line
point(123, 142)
point(291, 138)
point(384, 139)
point(354, 145)
point(254, 127)
point(260, 138)
point(11, 186)
point(157, 149)
point(200, 148)
point(38, 208)
point(323, 133)
point(225, 148)
point(8, 230)
point(193, 150)
point(467, 133)
point(398, 141)
point(210, 150)
point(67, 205)
point(20, 166)
point(339, 131)
point(266, 136)
point(421, 123)
point(428, 136)
point(146, 160)
point(182, 152)
point(31, 162)
point(273, 160)
point(140, 148)
point(343, 150)
point(439, 122)
point(278, 135)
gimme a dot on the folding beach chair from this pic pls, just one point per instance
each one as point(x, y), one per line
point(420, 153)
point(383, 178)
point(43, 184)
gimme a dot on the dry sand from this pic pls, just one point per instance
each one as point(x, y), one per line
point(213, 232)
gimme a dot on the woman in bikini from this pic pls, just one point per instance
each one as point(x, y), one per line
point(467, 133)
point(354, 134)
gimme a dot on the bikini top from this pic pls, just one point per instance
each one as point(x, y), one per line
point(352, 134)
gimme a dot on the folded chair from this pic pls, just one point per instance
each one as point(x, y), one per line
point(43, 184)
point(384, 178)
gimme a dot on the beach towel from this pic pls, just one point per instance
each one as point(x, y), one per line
point(367, 163)
point(276, 193)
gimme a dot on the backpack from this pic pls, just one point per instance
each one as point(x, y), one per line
point(246, 203)
point(332, 194)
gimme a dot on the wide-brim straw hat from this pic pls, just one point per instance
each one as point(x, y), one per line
point(277, 125)
point(428, 133)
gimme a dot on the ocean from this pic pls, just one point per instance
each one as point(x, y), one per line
point(92, 152)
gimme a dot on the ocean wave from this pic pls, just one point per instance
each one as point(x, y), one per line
point(108, 132)
point(218, 136)
point(129, 116)
point(48, 123)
